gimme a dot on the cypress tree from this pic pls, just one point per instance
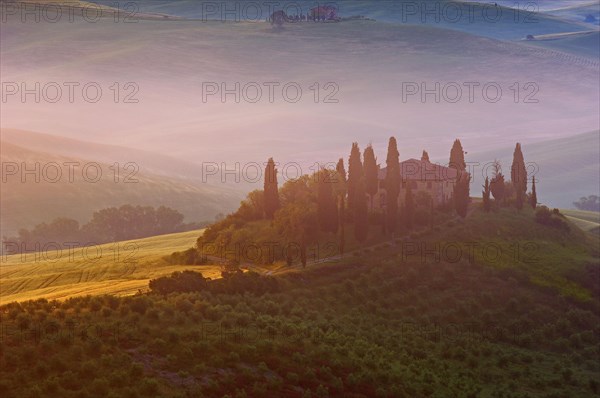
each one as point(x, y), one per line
point(457, 157)
point(271, 192)
point(361, 212)
point(518, 176)
point(371, 174)
point(497, 185)
point(355, 172)
point(326, 202)
point(341, 171)
point(486, 195)
point(461, 195)
point(533, 198)
point(392, 184)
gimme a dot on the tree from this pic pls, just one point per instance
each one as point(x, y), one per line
point(297, 220)
point(409, 206)
point(361, 212)
point(518, 176)
point(457, 157)
point(533, 197)
point(271, 196)
point(326, 201)
point(392, 184)
point(497, 185)
point(341, 189)
point(371, 173)
point(461, 195)
point(425, 157)
point(591, 203)
point(486, 195)
point(355, 172)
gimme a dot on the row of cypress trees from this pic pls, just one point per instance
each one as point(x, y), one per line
point(348, 196)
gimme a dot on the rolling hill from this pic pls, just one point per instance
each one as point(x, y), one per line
point(172, 118)
point(476, 18)
point(120, 268)
point(65, 186)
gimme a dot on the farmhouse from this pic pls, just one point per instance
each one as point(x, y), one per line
point(423, 176)
point(326, 12)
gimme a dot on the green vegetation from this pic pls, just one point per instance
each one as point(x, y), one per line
point(384, 323)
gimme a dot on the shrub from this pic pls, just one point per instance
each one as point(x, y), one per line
point(186, 281)
point(554, 219)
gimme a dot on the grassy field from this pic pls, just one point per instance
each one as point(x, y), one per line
point(120, 268)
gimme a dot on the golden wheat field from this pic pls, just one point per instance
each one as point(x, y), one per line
point(120, 268)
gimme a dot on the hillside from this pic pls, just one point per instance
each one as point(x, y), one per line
point(507, 24)
point(151, 162)
point(120, 268)
point(370, 325)
point(77, 191)
point(584, 44)
point(543, 255)
point(579, 12)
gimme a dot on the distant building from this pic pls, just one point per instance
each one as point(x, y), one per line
point(327, 12)
point(423, 176)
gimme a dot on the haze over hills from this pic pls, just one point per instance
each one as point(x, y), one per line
point(75, 187)
point(171, 116)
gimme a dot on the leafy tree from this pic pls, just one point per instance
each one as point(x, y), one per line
point(518, 176)
point(371, 173)
point(186, 281)
point(486, 195)
point(457, 157)
point(253, 207)
point(297, 220)
point(355, 172)
point(392, 184)
point(461, 195)
point(533, 197)
point(271, 196)
point(591, 203)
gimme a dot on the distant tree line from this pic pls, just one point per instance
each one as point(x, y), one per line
point(112, 224)
point(591, 203)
